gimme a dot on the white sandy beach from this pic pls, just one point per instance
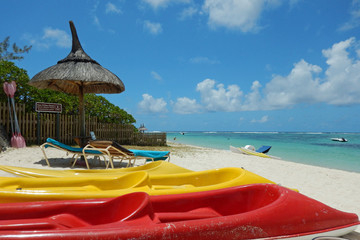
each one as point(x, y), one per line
point(336, 188)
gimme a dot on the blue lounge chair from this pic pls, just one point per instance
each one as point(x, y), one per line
point(151, 155)
point(114, 150)
point(76, 151)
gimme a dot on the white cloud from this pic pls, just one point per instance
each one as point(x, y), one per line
point(51, 37)
point(234, 14)
point(300, 86)
point(241, 15)
point(153, 28)
point(61, 38)
point(342, 84)
point(217, 98)
point(93, 15)
point(111, 8)
point(188, 12)
point(203, 60)
point(34, 41)
point(264, 119)
point(185, 105)
point(354, 20)
point(157, 3)
point(156, 76)
point(339, 85)
point(306, 83)
point(253, 100)
point(96, 21)
point(163, 3)
point(149, 104)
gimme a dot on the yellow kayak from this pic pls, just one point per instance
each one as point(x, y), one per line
point(45, 189)
point(153, 168)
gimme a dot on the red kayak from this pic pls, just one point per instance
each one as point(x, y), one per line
point(258, 211)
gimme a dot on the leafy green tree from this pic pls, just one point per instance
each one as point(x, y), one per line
point(9, 72)
point(69, 103)
point(94, 105)
point(28, 94)
point(6, 55)
point(105, 111)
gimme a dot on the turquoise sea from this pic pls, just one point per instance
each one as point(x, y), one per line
point(308, 148)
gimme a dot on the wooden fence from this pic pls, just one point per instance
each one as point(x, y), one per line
point(65, 127)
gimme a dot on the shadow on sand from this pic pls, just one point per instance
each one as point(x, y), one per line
point(94, 163)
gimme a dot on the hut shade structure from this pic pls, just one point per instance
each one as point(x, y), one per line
point(78, 74)
point(142, 128)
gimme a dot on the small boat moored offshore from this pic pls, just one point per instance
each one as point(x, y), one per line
point(236, 213)
point(43, 189)
point(339, 139)
point(153, 168)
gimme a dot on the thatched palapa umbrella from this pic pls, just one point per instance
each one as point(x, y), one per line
point(142, 128)
point(78, 74)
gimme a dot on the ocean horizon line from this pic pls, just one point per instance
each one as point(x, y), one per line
point(262, 132)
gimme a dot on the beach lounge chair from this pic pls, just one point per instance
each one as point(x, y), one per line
point(263, 149)
point(75, 151)
point(114, 150)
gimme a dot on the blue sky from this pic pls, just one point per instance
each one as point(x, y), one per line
point(209, 65)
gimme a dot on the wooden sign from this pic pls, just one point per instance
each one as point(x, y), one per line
point(48, 107)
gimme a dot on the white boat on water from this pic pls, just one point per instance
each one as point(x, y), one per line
point(339, 139)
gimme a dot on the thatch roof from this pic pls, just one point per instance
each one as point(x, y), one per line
point(77, 71)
